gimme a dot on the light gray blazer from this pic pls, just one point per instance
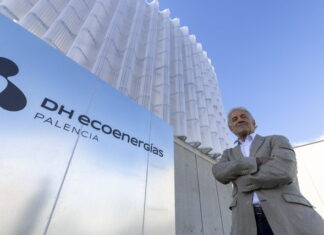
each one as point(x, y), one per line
point(275, 183)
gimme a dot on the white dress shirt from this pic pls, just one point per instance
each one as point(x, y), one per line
point(245, 149)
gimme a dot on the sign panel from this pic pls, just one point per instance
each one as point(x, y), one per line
point(77, 156)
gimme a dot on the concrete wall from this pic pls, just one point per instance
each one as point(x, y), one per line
point(201, 202)
point(310, 160)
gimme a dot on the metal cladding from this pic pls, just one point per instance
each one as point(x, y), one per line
point(140, 51)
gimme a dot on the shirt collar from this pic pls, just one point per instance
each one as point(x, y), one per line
point(249, 138)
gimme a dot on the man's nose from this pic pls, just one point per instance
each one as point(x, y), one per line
point(240, 119)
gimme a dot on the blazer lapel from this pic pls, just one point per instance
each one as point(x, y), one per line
point(256, 144)
point(237, 151)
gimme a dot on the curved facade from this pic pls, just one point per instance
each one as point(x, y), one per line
point(140, 51)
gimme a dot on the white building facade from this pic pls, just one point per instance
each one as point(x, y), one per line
point(140, 51)
point(310, 160)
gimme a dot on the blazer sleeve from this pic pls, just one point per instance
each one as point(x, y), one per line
point(227, 170)
point(280, 170)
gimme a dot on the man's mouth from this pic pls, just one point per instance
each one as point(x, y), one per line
point(242, 124)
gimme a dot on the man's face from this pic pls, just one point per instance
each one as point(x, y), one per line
point(241, 124)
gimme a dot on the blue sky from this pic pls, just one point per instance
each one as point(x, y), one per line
point(269, 58)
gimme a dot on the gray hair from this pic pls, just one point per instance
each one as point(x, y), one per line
point(239, 108)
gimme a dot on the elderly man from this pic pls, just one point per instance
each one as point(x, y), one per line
point(266, 196)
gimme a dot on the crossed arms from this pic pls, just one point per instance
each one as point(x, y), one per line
point(266, 172)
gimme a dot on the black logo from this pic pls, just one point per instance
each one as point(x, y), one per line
point(11, 98)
